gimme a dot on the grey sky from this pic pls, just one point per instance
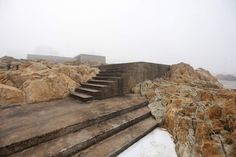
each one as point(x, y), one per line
point(199, 32)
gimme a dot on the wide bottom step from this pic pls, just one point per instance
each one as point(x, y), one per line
point(117, 143)
point(74, 142)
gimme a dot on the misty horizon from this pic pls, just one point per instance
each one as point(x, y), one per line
point(199, 32)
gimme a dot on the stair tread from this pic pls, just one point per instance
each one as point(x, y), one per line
point(117, 143)
point(74, 142)
point(89, 89)
point(108, 77)
point(97, 85)
point(111, 70)
point(102, 80)
point(82, 95)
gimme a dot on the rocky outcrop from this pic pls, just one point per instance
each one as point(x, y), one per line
point(201, 119)
point(43, 81)
point(10, 95)
point(184, 73)
point(51, 86)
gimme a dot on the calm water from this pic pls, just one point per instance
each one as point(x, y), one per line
point(228, 84)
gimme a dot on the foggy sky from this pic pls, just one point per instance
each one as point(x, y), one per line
point(199, 32)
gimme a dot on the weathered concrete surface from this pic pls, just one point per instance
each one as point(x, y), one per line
point(136, 72)
point(114, 145)
point(76, 141)
point(19, 123)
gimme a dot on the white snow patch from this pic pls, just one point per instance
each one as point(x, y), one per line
point(157, 143)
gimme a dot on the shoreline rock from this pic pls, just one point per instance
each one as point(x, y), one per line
point(197, 111)
point(41, 81)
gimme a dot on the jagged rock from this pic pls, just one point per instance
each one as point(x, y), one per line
point(43, 81)
point(9, 95)
point(184, 73)
point(158, 110)
point(79, 74)
point(195, 109)
point(32, 66)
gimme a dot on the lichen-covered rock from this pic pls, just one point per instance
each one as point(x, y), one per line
point(184, 73)
point(52, 86)
point(80, 73)
point(200, 115)
point(43, 81)
point(9, 95)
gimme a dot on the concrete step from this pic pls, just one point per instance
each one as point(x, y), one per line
point(35, 128)
point(94, 92)
point(94, 86)
point(74, 142)
point(106, 78)
point(110, 74)
point(111, 66)
point(105, 82)
point(83, 97)
point(114, 145)
point(112, 71)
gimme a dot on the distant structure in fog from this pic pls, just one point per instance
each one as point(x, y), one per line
point(90, 59)
point(82, 58)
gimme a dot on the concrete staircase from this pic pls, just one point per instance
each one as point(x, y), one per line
point(106, 84)
point(108, 131)
point(118, 79)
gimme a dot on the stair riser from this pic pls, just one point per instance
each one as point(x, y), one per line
point(19, 146)
point(80, 98)
point(92, 87)
point(98, 138)
point(94, 94)
point(112, 71)
point(103, 83)
point(109, 74)
point(106, 78)
point(116, 153)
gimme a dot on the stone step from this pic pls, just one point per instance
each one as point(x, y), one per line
point(105, 82)
point(74, 142)
point(83, 97)
point(114, 145)
point(94, 92)
point(31, 134)
point(106, 78)
point(94, 86)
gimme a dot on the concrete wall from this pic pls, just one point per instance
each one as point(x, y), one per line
point(91, 59)
point(137, 72)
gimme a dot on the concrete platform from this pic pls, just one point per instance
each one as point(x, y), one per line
point(22, 127)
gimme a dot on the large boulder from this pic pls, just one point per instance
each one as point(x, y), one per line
point(9, 95)
point(51, 86)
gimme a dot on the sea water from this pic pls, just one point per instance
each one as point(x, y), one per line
point(228, 84)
